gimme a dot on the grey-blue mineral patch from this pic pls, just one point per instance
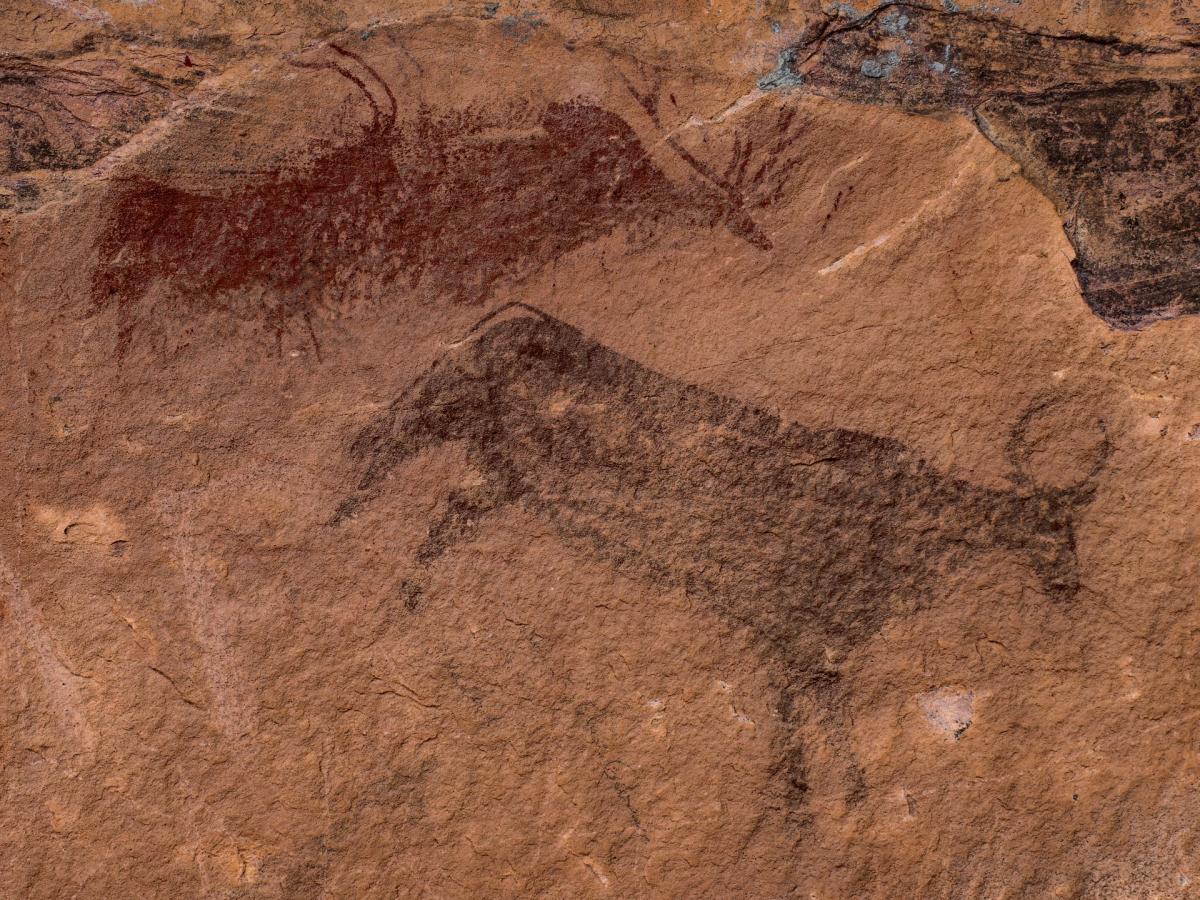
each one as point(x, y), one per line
point(881, 66)
point(894, 22)
point(522, 28)
point(782, 77)
point(847, 10)
point(939, 66)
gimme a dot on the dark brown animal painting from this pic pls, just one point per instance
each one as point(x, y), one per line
point(810, 538)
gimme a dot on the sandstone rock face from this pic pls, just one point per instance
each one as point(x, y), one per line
point(1105, 127)
point(599, 449)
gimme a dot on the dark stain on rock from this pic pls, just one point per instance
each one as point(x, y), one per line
point(1106, 129)
point(1123, 162)
point(66, 114)
point(809, 538)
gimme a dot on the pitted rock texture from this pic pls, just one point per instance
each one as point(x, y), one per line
point(598, 449)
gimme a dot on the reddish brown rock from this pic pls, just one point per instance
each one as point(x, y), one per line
point(513, 451)
point(1105, 127)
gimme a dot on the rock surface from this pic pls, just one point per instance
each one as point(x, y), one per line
point(599, 449)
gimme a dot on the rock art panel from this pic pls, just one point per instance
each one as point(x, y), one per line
point(598, 449)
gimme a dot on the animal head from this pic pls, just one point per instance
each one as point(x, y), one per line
point(508, 362)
